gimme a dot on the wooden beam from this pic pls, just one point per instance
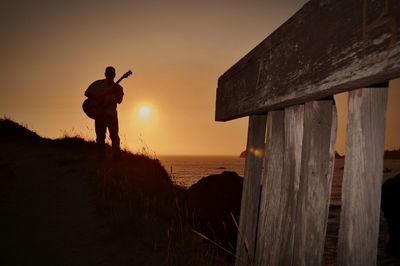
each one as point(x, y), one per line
point(251, 190)
point(276, 246)
point(318, 159)
point(362, 178)
point(327, 47)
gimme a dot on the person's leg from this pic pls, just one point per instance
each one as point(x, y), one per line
point(113, 129)
point(100, 127)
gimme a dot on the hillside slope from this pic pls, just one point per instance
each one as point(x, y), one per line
point(59, 205)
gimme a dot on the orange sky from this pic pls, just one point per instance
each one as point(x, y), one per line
point(52, 50)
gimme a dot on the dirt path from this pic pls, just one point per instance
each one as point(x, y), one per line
point(46, 214)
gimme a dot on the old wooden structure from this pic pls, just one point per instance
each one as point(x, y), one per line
point(286, 84)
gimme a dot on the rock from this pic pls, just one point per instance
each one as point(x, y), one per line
point(211, 202)
point(391, 208)
point(392, 154)
point(387, 170)
point(338, 156)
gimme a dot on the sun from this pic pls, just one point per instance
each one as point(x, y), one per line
point(144, 111)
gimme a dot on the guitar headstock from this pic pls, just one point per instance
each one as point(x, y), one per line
point(127, 74)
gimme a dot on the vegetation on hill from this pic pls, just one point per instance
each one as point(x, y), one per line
point(144, 212)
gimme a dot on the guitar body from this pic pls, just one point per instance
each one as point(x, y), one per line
point(93, 109)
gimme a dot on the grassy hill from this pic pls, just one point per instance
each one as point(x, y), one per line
point(60, 205)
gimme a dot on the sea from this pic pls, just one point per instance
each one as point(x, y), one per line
point(187, 170)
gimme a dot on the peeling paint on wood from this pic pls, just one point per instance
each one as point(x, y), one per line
point(362, 178)
point(269, 226)
point(318, 158)
point(296, 184)
point(251, 190)
point(327, 47)
point(278, 203)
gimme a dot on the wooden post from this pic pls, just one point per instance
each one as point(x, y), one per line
point(318, 158)
point(251, 190)
point(362, 179)
point(291, 67)
point(270, 210)
point(279, 198)
point(294, 117)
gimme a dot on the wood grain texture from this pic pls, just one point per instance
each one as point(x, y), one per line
point(362, 179)
point(328, 46)
point(276, 243)
point(251, 190)
point(318, 158)
point(269, 224)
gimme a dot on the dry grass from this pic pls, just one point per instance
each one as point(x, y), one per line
point(137, 193)
point(144, 211)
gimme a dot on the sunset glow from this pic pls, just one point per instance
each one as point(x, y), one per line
point(176, 49)
point(144, 111)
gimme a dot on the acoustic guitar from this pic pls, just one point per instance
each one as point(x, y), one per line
point(94, 109)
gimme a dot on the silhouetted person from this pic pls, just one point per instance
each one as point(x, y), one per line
point(107, 94)
point(391, 209)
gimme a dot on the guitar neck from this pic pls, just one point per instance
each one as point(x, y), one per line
point(118, 81)
point(127, 74)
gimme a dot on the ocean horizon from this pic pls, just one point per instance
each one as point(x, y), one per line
point(186, 170)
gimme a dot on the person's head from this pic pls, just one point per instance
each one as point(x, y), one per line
point(110, 73)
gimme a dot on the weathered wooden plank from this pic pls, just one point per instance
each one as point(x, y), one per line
point(362, 179)
point(269, 226)
point(318, 158)
point(291, 178)
point(327, 47)
point(279, 195)
point(251, 190)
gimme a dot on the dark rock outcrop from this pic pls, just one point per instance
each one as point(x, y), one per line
point(211, 202)
point(393, 154)
point(391, 208)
